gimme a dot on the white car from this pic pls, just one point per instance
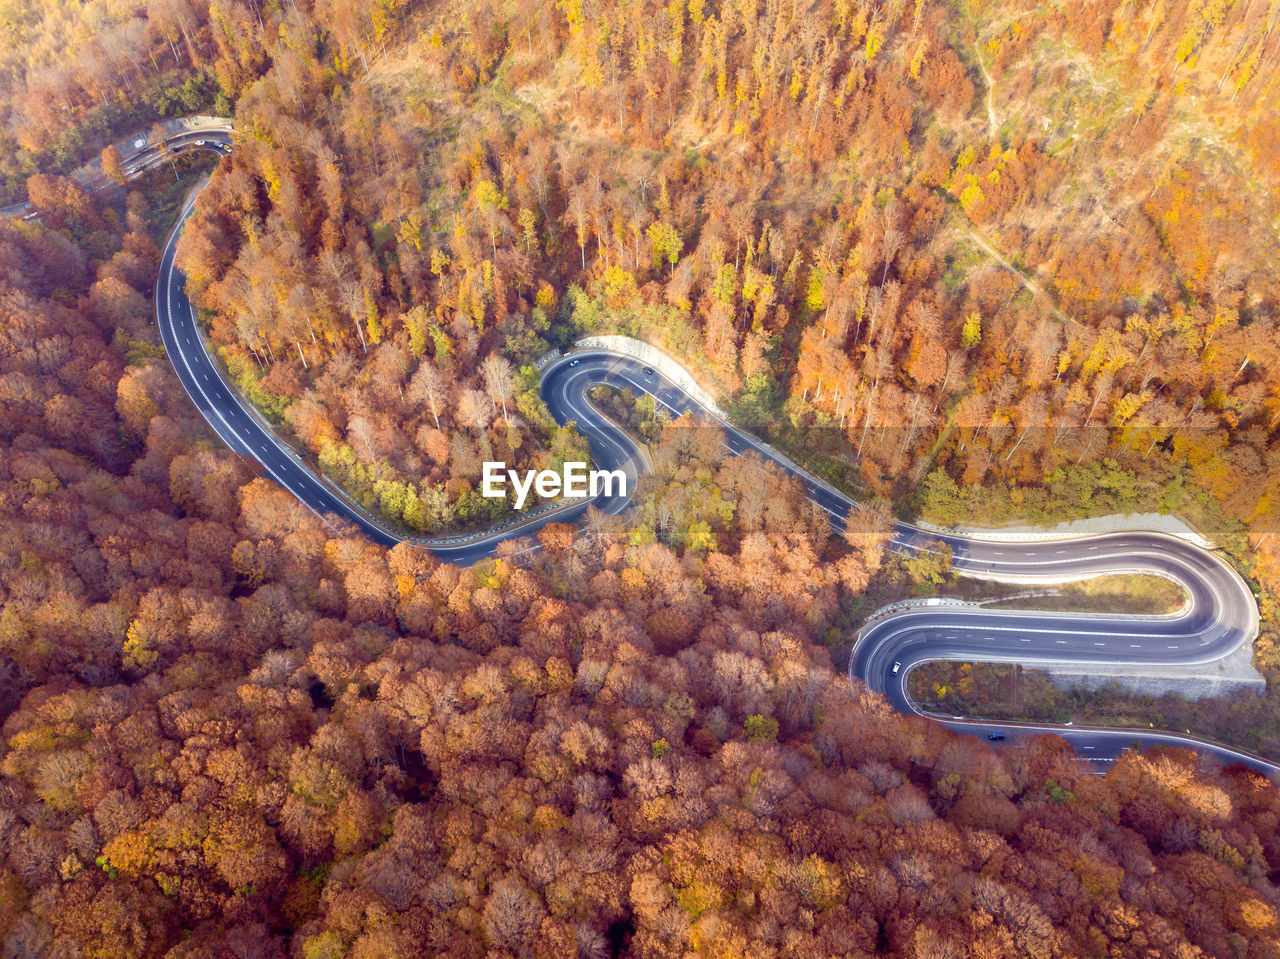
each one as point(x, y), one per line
point(201, 143)
point(896, 667)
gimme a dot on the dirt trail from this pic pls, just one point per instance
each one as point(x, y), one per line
point(991, 112)
point(1036, 289)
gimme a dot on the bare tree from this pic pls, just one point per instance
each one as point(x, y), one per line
point(353, 301)
point(360, 428)
point(1032, 413)
point(577, 216)
point(475, 410)
point(428, 385)
point(891, 241)
point(511, 916)
point(955, 370)
point(499, 380)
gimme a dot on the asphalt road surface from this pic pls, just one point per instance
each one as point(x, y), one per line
point(1219, 616)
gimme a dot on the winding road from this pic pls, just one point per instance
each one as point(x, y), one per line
point(1219, 616)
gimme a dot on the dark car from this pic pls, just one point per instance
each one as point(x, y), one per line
point(995, 737)
point(648, 371)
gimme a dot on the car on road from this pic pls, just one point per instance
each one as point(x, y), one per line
point(648, 371)
point(995, 737)
point(574, 362)
point(201, 143)
point(896, 667)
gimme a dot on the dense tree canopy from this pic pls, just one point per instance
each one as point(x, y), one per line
point(231, 728)
point(880, 226)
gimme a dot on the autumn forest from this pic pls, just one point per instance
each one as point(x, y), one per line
point(970, 262)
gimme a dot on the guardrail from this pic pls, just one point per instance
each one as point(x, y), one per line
point(904, 606)
point(1171, 524)
point(651, 355)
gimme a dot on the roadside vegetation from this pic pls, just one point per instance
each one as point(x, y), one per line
point(639, 416)
point(1133, 593)
point(1245, 719)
